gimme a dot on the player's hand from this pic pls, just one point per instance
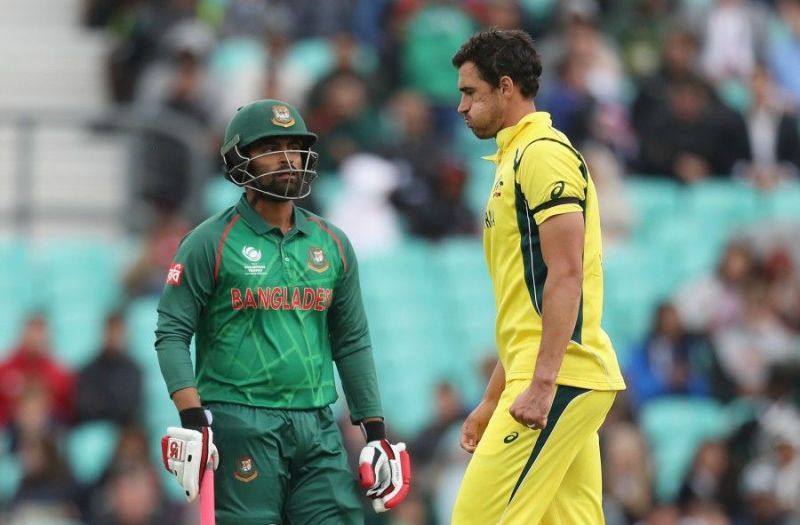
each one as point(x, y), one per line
point(532, 406)
point(384, 470)
point(475, 424)
point(186, 454)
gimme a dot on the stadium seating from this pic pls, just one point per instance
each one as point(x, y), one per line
point(16, 290)
point(428, 304)
point(89, 448)
point(675, 427)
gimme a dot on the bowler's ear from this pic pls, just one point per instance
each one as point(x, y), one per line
point(506, 85)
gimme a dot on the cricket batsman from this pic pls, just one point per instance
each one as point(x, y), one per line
point(271, 294)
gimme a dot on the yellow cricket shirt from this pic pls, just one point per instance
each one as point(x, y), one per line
point(539, 174)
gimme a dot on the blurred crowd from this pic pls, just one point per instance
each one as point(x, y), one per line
point(680, 89)
point(686, 90)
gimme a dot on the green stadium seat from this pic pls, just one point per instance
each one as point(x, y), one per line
point(76, 329)
point(79, 269)
point(722, 202)
point(654, 200)
point(219, 193)
point(141, 317)
point(16, 289)
point(538, 8)
point(89, 448)
point(675, 427)
point(782, 203)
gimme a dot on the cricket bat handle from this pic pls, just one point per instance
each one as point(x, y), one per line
point(207, 516)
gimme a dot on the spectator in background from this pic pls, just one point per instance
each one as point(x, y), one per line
point(669, 360)
point(362, 205)
point(146, 275)
point(568, 99)
point(616, 213)
point(715, 301)
point(435, 209)
point(134, 497)
point(342, 114)
point(773, 133)
point(732, 40)
point(784, 286)
point(593, 51)
point(142, 28)
point(449, 410)
point(32, 418)
point(110, 386)
point(431, 185)
point(47, 489)
point(639, 27)
point(758, 490)
point(711, 479)
point(627, 471)
point(678, 60)
point(132, 453)
point(177, 96)
point(30, 363)
point(783, 53)
point(431, 35)
point(693, 137)
point(747, 348)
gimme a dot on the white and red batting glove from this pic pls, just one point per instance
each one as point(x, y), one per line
point(186, 453)
point(384, 469)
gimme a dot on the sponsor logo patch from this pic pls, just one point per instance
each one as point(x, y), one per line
point(245, 470)
point(175, 274)
point(316, 260)
point(510, 438)
point(175, 449)
point(558, 189)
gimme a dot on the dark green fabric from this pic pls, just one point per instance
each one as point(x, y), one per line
point(530, 243)
point(270, 313)
point(359, 382)
point(530, 250)
point(564, 396)
point(285, 467)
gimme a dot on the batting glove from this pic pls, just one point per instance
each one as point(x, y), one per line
point(384, 469)
point(187, 452)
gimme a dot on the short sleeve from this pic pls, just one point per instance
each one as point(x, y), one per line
point(549, 174)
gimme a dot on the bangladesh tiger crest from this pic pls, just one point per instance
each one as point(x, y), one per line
point(281, 116)
point(317, 261)
point(245, 470)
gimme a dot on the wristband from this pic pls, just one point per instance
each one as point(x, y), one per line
point(194, 418)
point(374, 430)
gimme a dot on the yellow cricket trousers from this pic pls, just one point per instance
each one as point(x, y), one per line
point(519, 476)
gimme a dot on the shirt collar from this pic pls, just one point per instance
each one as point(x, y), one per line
point(506, 136)
point(260, 226)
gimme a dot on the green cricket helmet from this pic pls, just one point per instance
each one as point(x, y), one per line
point(290, 171)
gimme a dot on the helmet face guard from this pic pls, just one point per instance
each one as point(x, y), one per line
point(261, 120)
point(289, 182)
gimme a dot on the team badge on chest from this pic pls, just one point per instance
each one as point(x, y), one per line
point(245, 470)
point(317, 261)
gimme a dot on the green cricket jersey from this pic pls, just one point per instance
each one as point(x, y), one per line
point(270, 313)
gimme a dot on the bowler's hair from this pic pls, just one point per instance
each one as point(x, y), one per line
point(497, 53)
